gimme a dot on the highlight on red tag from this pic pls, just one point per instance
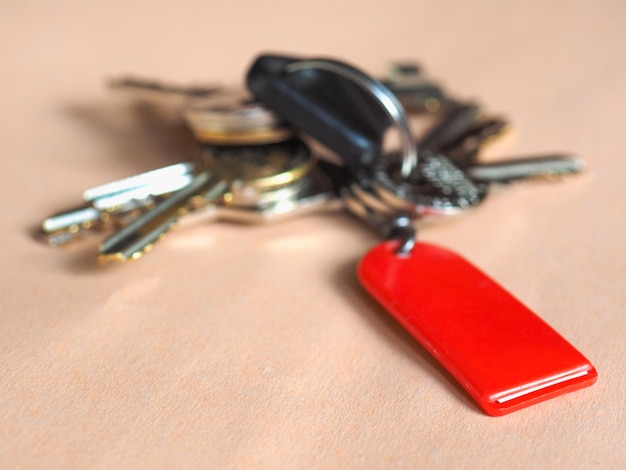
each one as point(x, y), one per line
point(502, 353)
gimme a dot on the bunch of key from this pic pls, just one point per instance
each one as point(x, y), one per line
point(254, 162)
point(248, 167)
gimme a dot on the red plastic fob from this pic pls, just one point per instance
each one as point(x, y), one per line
point(503, 354)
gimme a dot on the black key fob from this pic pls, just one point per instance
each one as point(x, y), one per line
point(331, 109)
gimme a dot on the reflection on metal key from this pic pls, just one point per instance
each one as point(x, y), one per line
point(219, 171)
point(550, 167)
point(157, 89)
point(113, 204)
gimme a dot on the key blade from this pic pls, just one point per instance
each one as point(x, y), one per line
point(140, 197)
point(457, 122)
point(68, 226)
point(508, 171)
point(159, 177)
point(466, 149)
point(155, 88)
point(79, 216)
point(139, 236)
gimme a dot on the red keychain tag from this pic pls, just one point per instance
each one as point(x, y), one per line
point(502, 353)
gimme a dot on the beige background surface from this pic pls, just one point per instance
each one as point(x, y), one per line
point(233, 347)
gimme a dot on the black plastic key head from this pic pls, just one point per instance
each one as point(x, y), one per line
point(330, 108)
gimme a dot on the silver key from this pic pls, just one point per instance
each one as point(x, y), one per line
point(159, 181)
point(114, 203)
point(70, 225)
point(219, 173)
point(157, 89)
point(550, 167)
point(117, 203)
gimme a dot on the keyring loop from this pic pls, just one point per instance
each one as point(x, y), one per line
point(380, 93)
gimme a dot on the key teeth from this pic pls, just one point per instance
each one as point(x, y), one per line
point(105, 258)
point(57, 239)
point(61, 238)
point(120, 257)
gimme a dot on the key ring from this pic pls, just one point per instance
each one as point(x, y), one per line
point(381, 95)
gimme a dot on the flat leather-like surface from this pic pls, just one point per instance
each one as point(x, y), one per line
point(252, 347)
